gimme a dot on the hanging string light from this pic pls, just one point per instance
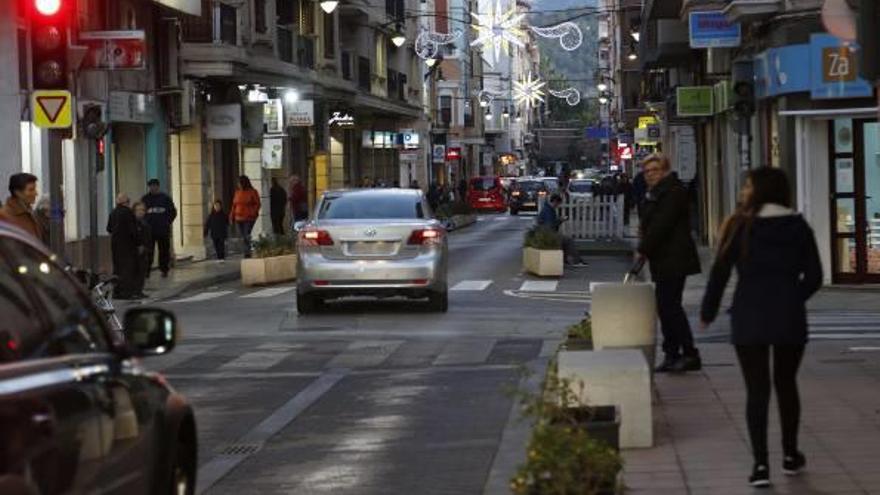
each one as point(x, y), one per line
point(428, 43)
point(569, 34)
point(572, 95)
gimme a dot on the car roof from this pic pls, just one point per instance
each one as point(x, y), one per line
point(11, 231)
point(386, 191)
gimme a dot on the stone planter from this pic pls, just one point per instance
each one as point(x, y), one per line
point(263, 271)
point(543, 262)
point(577, 345)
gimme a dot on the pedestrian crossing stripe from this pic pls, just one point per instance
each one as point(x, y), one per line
point(539, 286)
point(266, 293)
point(471, 285)
point(204, 296)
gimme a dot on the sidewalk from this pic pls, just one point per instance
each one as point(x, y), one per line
point(191, 275)
point(701, 442)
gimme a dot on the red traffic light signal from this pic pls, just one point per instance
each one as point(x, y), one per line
point(50, 21)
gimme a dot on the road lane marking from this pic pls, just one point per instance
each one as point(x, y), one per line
point(266, 293)
point(539, 286)
point(180, 354)
point(220, 465)
point(471, 285)
point(204, 296)
point(365, 354)
point(255, 361)
point(465, 352)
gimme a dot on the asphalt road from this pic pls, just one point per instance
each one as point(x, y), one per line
point(369, 397)
point(388, 397)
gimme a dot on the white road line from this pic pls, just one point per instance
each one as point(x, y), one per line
point(365, 353)
point(844, 336)
point(179, 355)
point(539, 286)
point(204, 296)
point(501, 219)
point(262, 360)
point(465, 352)
point(472, 285)
point(266, 293)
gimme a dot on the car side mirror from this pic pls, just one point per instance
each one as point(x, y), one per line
point(299, 225)
point(150, 331)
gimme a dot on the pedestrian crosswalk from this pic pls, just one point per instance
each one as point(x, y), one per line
point(270, 292)
point(844, 325)
point(471, 285)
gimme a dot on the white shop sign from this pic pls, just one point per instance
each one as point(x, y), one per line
point(300, 113)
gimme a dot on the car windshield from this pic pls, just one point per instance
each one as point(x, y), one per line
point(529, 186)
point(552, 184)
point(370, 206)
point(581, 187)
point(483, 184)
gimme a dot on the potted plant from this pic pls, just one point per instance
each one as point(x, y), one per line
point(579, 337)
point(542, 252)
point(572, 447)
point(273, 261)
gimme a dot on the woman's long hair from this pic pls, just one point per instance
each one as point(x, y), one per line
point(244, 182)
point(769, 186)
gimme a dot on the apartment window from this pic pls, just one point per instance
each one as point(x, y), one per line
point(346, 66)
point(329, 36)
point(446, 110)
point(260, 16)
point(364, 73)
point(286, 12)
point(395, 9)
point(381, 55)
point(469, 113)
point(392, 83)
point(306, 51)
point(306, 17)
point(401, 86)
point(227, 18)
point(285, 43)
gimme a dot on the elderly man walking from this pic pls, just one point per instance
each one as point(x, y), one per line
point(667, 245)
point(122, 227)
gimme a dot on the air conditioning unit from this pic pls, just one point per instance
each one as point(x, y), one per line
point(180, 106)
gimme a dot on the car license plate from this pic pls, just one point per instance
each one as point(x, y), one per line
point(485, 200)
point(529, 204)
point(371, 248)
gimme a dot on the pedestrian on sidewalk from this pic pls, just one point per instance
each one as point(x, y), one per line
point(666, 243)
point(19, 207)
point(217, 227)
point(161, 213)
point(299, 200)
point(277, 206)
point(548, 218)
point(122, 227)
point(778, 267)
point(144, 239)
point(245, 210)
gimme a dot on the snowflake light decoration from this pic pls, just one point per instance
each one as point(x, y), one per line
point(571, 95)
point(569, 34)
point(428, 43)
point(529, 91)
point(497, 30)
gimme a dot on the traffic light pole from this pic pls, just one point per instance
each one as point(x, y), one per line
point(93, 205)
point(56, 191)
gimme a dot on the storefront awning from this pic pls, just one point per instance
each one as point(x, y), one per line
point(829, 112)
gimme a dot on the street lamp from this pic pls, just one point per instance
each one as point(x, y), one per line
point(505, 113)
point(398, 38)
point(430, 62)
point(518, 117)
point(636, 35)
point(291, 96)
point(603, 100)
point(633, 56)
point(329, 6)
point(489, 114)
point(602, 86)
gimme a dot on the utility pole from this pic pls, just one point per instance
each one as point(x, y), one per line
point(56, 191)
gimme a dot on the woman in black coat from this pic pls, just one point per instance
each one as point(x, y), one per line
point(778, 267)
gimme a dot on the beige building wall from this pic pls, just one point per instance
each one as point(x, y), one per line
point(191, 181)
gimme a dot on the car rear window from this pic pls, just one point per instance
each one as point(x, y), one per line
point(357, 206)
point(483, 184)
point(581, 187)
point(529, 185)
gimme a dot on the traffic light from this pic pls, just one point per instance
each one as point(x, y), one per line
point(743, 89)
point(92, 123)
point(869, 39)
point(50, 23)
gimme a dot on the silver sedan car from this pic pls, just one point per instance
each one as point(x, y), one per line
point(372, 242)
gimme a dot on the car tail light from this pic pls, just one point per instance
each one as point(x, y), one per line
point(515, 193)
point(315, 238)
point(426, 237)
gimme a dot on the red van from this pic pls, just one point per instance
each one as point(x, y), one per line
point(487, 193)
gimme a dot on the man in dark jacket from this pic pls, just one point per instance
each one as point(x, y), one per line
point(667, 245)
point(161, 212)
point(548, 218)
point(277, 205)
point(122, 227)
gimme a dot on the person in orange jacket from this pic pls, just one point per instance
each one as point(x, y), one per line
point(245, 210)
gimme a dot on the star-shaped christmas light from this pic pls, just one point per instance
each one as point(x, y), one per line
point(497, 30)
point(529, 91)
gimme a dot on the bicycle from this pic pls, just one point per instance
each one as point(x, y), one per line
point(100, 287)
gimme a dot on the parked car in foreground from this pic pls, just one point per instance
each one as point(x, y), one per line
point(527, 195)
point(78, 412)
point(372, 242)
point(487, 193)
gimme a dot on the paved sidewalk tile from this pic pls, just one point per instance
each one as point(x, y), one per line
point(701, 441)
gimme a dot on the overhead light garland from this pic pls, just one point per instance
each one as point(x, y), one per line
point(529, 91)
point(569, 34)
point(497, 30)
point(572, 95)
point(428, 43)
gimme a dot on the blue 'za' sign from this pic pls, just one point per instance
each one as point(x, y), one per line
point(711, 29)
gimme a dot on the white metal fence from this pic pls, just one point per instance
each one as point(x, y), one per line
point(596, 218)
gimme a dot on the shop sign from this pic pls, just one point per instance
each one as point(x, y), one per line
point(224, 121)
point(646, 120)
point(625, 151)
point(685, 152)
point(835, 69)
point(126, 106)
point(378, 139)
point(723, 96)
point(300, 113)
point(114, 50)
point(273, 151)
point(439, 153)
point(625, 138)
point(598, 133)
point(453, 154)
point(695, 101)
point(711, 29)
point(272, 116)
point(654, 132)
point(341, 119)
point(408, 139)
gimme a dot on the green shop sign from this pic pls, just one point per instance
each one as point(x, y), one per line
point(695, 101)
point(723, 96)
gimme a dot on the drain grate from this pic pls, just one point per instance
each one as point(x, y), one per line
point(240, 449)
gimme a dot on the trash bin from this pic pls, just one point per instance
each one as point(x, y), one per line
point(624, 316)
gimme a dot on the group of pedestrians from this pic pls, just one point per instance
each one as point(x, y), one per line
point(774, 252)
point(137, 232)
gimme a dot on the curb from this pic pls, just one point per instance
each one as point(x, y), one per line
point(201, 283)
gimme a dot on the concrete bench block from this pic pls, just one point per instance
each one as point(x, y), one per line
point(619, 377)
point(624, 316)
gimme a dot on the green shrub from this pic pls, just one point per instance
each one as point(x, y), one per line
point(582, 330)
point(543, 238)
point(269, 246)
point(562, 458)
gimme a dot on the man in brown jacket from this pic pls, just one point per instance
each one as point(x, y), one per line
point(19, 207)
